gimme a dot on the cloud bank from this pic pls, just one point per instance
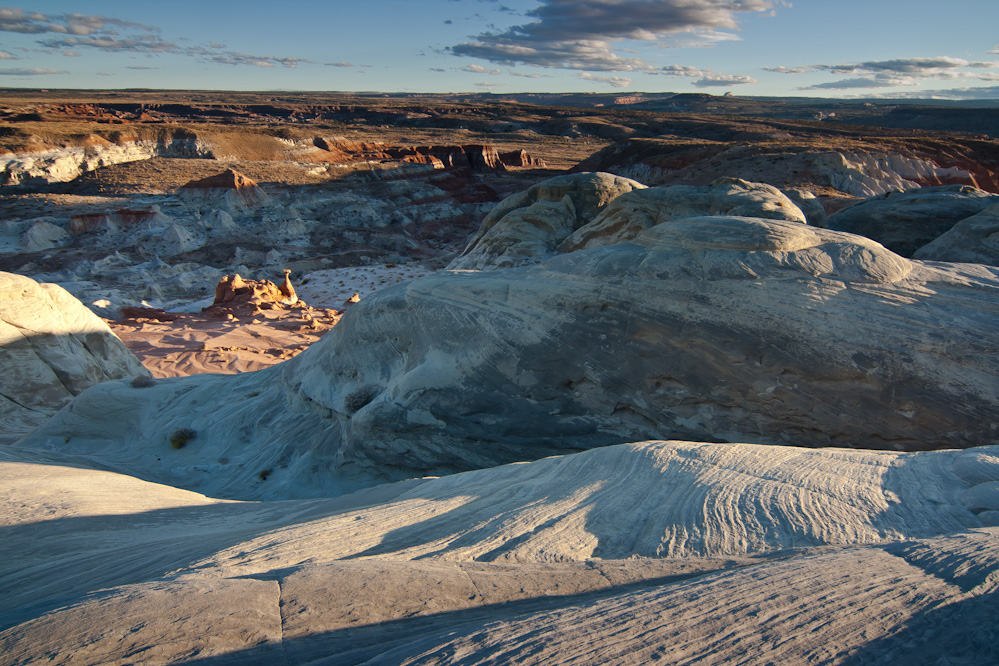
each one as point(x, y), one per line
point(578, 34)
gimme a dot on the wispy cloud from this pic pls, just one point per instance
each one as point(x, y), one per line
point(713, 80)
point(339, 64)
point(4, 55)
point(895, 72)
point(68, 32)
point(29, 71)
point(863, 82)
point(706, 78)
point(234, 58)
point(14, 19)
point(578, 34)
point(613, 81)
point(479, 69)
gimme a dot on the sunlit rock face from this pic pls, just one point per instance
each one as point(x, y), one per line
point(52, 348)
point(586, 210)
point(632, 213)
point(974, 240)
point(905, 221)
point(705, 329)
point(527, 227)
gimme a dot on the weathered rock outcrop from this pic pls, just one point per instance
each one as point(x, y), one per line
point(557, 216)
point(709, 329)
point(633, 212)
point(230, 186)
point(51, 349)
point(57, 165)
point(973, 240)
point(528, 227)
point(905, 221)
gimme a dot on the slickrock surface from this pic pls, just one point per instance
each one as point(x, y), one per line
point(974, 239)
point(905, 221)
point(633, 212)
point(715, 328)
point(579, 211)
point(53, 348)
point(624, 554)
point(528, 226)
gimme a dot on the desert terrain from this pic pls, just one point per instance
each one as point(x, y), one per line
point(525, 379)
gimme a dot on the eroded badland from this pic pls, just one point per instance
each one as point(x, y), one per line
point(592, 379)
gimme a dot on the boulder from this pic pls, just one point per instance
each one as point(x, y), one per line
point(53, 349)
point(809, 204)
point(973, 240)
point(634, 212)
point(704, 329)
point(44, 235)
point(527, 227)
point(905, 221)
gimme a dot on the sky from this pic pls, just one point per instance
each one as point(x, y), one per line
point(805, 48)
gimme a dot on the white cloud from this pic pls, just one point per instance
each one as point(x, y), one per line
point(29, 71)
point(614, 81)
point(724, 80)
point(479, 69)
point(894, 72)
point(8, 56)
point(864, 82)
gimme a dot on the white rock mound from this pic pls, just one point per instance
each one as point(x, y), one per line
point(906, 221)
point(527, 227)
point(634, 212)
point(531, 226)
point(705, 329)
point(974, 240)
point(53, 348)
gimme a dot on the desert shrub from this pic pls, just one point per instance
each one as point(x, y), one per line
point(181, 437)
point(143, 381)
point(359, 398)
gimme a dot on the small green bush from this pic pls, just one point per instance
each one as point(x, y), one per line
point(143, 381)
point(181, 437)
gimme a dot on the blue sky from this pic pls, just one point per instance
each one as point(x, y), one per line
point(827, 48)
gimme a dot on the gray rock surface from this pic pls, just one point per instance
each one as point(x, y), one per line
point(634, 212)
point(709, 329)
point(527, 227)
point(973, 240)
point(906, 221)
point(52, 348)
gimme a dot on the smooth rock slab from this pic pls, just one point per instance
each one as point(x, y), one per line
point(906, 221)
point(974, 240)
point(709, 329)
